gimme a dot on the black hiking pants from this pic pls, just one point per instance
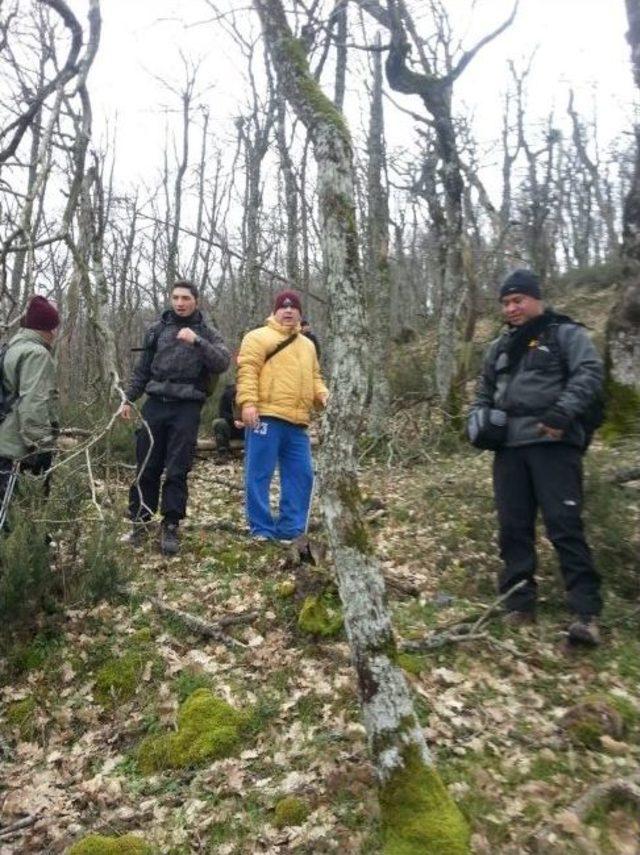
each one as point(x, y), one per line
point(548, 477)
point(174, 428)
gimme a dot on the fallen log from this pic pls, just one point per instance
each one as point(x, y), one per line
point(202, 627)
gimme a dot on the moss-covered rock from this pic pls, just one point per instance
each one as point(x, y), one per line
point(320, 616)
point(208, 729)
point(98, 844)
point(586, 722)
point(290, 811)
point(417, 813)
point(118, 679)
point(286, 589)
point(21, 716)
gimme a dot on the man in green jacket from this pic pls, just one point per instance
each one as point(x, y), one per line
point(27, 433)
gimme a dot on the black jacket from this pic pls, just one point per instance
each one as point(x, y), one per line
point(554, 382)
point(174, 369)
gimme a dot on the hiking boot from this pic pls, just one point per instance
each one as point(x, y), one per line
point(517, 619)
point(169, 539)
point(136, 536)
point(585, 630)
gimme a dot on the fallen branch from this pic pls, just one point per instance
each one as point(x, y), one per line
point(201, 627)
point(464, 630)
point(19, 825)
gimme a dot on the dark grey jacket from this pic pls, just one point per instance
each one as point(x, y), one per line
point(565, 376)
point(173, 369)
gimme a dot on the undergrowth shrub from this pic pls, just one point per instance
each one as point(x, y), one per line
point(25, 570)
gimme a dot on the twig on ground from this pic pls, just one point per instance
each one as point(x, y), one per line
point(464, 630)
point(201, 627)
point(492, 608)
point(18, 825)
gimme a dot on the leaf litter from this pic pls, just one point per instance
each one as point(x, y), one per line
point(492, 715)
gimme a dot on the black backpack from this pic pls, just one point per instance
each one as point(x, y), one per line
point(6, 400)
point(596, 413)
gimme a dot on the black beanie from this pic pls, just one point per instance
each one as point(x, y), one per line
point(521, 282)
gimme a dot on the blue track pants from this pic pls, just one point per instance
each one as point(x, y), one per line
point(276, 442)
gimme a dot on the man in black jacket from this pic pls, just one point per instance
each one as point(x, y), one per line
point(543, 373)
point(179, 356)
point(227, 426)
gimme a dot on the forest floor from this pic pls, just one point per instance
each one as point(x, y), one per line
point(520, 729)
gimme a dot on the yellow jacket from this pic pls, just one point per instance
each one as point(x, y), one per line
point(289, 384)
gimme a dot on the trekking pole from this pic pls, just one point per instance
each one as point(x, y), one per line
point(8, 493)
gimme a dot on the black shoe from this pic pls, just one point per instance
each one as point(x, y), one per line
point(169, 539)
point(585, 630)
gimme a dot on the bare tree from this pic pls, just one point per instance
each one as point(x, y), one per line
point(623, 329)
point(409, 786)
point(435, 88)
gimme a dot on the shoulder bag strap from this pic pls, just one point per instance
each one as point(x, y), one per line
point(281, 346)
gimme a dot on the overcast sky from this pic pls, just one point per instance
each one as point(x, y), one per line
point(580, 43)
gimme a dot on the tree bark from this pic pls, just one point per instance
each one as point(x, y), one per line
point(623, 326)
point(416, 810)
point(378, 260)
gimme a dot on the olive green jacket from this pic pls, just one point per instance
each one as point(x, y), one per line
point(28, 372)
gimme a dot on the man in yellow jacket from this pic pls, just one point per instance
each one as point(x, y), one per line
point(278, 385)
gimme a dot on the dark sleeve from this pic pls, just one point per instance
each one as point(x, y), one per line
point(142, 371)
point(225, 410)
point(585, 370)
point(314, 339)
point(486, 385)
point(214, 352)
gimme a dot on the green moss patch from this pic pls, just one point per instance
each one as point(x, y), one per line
point(411, 663)
point(320, 616)
point(418, 814)
point(21, 716)
point(118, 679)
point(208, 729)
point(98, 844)
point(290, 811)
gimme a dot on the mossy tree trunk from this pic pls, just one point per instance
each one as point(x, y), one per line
point(623, 326)
point(418, 815)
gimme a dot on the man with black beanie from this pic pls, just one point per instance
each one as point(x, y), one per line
point(540, 378)
point(180, 354)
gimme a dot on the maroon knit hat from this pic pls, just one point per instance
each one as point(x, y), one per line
point(281, 299)
point(40, 315)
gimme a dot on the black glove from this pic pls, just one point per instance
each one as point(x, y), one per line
point(37, 462)
point(556, 418)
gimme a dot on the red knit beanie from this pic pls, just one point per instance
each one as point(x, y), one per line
point(292, 296)
point(40, 315)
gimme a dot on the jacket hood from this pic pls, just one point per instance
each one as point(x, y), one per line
point(273, 323)
point(30, 335)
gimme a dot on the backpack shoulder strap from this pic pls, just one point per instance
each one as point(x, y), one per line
point(281, 346)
